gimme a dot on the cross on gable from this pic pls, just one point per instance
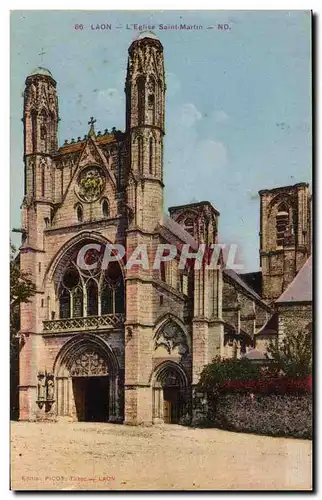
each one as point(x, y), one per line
point(91, 121)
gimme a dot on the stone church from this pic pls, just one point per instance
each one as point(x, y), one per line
point(128, 345)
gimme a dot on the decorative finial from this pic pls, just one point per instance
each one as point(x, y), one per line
point(91, 132)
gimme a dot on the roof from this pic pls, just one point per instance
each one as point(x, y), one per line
point(282, 188)
point(255, 354)
point(147, 34)
point(234, 276)
point(41, 71)
point(193, 205)
point(270, 327)
point(78, 146)
point(178, 231)
point(300, 289)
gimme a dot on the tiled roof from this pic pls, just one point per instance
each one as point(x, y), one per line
point(300, 290)
point(77, 146)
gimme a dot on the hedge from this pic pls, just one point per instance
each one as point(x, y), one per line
point(275, 415)
point(282, 385)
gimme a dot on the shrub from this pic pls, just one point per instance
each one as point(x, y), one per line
point(220, 371)
point(274, 415)
point(293, 354)
point(282, 385)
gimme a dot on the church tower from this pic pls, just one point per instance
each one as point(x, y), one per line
point(285, 236)
point(40, 119)
point(145, 96)
point(40, 134)
point(145, 100)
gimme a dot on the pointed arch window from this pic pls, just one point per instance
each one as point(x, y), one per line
point(140, 154)
point(43, 129)
point(282, 224)
point(92, 298)
point(105, 208)
point(96, 292)
point(43, 132)
point(141, 99)
point(78, 302)
point(52, 131)
point(43, 182)
point(151, 101)
point(34, 130)
point(151, 155)
point(79, 213)
point(107, 299)
point(189, 225)
point(64, 303)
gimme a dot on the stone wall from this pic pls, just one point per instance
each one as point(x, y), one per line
point(293, 318)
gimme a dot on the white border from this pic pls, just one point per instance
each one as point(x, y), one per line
point(4, 134)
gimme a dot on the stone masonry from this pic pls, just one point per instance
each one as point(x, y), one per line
point(119, 344)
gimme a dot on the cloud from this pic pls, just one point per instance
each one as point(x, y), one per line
point(212, 153)
point(173, 84)
point(205, 158)
point(220, 116)
point(189, 115)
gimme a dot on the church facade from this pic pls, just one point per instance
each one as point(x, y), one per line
point(127, 344)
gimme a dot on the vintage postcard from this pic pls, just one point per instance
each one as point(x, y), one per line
point(161, 268)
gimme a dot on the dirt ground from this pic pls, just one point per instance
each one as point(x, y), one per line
point(80, 456)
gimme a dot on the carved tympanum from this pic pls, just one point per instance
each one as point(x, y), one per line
point(89, 364)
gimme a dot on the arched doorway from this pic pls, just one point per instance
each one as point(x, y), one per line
point(88, 386)
point(170, 385)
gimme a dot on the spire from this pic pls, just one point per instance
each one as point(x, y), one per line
point(91, 132)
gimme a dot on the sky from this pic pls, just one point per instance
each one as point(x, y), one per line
point(238, 101)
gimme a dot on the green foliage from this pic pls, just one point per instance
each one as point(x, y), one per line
point(221, 370)
point(293, 355)
point(21, 289)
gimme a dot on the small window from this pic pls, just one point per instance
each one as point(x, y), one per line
point(43, 133)
point(79, 213)
point(105, 208)
point(282, 224)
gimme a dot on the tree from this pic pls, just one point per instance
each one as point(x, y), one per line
point(21, 290)
point(293, 354)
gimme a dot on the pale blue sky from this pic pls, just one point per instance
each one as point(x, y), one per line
point(238, 107)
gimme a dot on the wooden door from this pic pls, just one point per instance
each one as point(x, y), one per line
point(167, 412)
